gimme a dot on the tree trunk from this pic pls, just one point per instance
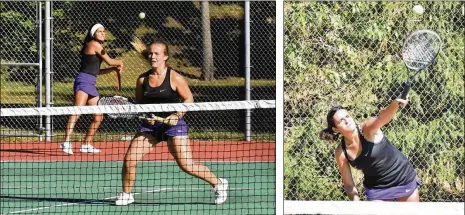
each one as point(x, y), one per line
point(207, 66)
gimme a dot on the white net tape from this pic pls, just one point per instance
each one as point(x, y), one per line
point(138, 108)
point(373, 207)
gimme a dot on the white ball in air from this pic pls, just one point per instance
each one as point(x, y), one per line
point(141, 15)
point(418, 9)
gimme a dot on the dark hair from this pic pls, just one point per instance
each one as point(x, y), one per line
point(87, 39)
point(328, 133)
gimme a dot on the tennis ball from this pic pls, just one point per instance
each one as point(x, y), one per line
point(418, 9)
point(141, 15)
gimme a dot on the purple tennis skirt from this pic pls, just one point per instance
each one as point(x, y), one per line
point(162, 131)
point(392, 192)
point(86, 83)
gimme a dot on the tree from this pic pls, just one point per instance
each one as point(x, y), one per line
point(207, 66)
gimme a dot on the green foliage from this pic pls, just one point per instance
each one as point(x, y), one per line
point(349, 53)
point(18, 41)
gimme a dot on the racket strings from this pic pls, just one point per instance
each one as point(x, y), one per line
point(420, 50)
point(116, 100)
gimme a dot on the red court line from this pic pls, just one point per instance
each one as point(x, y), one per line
point(236, 151)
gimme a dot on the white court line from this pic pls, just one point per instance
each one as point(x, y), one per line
point(106, 187)
point(113, 197)
point(88, 201)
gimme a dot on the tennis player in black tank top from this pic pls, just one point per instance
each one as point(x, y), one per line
point(388, 174)
point(85, 90)
point(162, 84)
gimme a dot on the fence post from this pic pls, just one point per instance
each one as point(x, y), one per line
point(47, 69)
point(247, 68)
point(39, 60)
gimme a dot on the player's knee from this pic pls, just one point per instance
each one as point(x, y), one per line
point(76, 116)
point(187, 167)
point(98, 117)
point(129, 162)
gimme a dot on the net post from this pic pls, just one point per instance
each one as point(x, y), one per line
point(247, 67)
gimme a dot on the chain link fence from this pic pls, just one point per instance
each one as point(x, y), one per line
point(177, 23)
point(349, 53)
point(20, 72)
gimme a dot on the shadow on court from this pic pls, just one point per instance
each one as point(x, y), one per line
point(78, 201)
point(35, 151)
point(68, 200)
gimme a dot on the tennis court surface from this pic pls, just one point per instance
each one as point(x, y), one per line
point(38, 177)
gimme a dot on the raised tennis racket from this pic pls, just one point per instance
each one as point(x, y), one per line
point(420, 50)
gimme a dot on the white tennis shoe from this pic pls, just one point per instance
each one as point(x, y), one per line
point(67, 147)
point(87, 148)
point(221, 193)
point(124, 199)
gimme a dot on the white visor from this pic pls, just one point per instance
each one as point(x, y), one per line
point(94, 29)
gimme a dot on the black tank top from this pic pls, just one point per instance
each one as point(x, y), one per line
point(159, 95)
point(382, 164)
point(90, 64)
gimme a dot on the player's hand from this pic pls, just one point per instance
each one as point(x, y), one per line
point(172, 120)
point(402, 102)
point(150, 121)
point(119, 68)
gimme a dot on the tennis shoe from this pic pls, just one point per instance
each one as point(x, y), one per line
point(221, 193)
point(87, 148)
point(67, 147)
point(124, 199)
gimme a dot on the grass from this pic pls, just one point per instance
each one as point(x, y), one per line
point(20, 93)
point(13, 92)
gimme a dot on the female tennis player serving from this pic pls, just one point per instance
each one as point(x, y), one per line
point(162, 84)
point(388, 174)
point(85, 91)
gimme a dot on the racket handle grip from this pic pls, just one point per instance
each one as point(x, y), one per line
point(118, 81)
point(406, 90)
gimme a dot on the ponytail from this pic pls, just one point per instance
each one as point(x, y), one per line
point(87, 39)
point(328, 133)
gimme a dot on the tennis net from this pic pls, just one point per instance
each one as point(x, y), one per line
point(373, 208)
point(39, 177)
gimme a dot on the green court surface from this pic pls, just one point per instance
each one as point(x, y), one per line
point(160, 188)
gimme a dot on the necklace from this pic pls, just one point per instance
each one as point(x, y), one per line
point(163, 73)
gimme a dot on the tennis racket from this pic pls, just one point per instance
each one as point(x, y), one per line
point(118, 81)
point(420, 50)
point(117, 100)
point(120, 100)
